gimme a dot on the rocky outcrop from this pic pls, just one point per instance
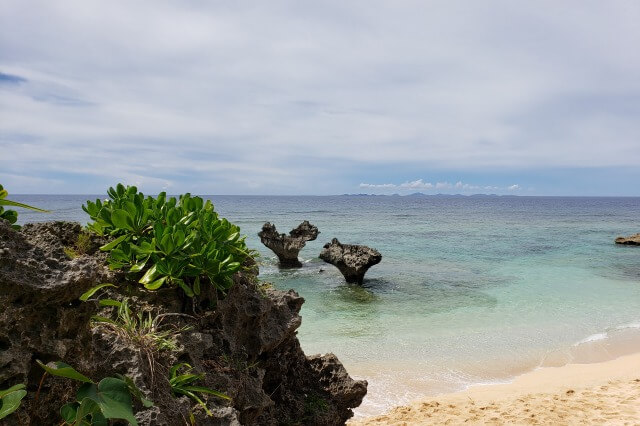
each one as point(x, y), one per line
point(633, 240)
point(352, 260)
point(287, 247)
point(246, 347)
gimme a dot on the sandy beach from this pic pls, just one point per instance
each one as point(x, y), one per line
point(599, 393)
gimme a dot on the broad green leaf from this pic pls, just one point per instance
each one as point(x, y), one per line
point(112, 396)
point(64, 370)
point(87, 294)
point(69, 412)
point(139, 266)
point(12, 388)
point(167, 243)
point(149, 276)
point(135, 391)
point(11, 400)
point(122, 219)
point(113, 243)
point(89, 408)
point(154, 285)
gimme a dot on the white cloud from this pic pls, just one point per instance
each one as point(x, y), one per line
point(376, 186)
point(417, 184)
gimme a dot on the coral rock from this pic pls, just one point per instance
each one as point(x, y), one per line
point(246, 347)
point(351, 259)
point(633, 240)
point(287, 247)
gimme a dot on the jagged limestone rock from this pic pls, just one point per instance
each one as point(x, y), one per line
point(351, 259)
point(633, 240)
point(246, 346)
point(287, 247)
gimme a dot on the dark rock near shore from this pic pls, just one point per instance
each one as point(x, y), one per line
point(287, 247)
point(247, 347)
point(352, 260)
point(633, 240)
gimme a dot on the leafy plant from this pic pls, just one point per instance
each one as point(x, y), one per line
point(97, 402)
point(11, 215)
point(182, 384)
point(142, 329)
point(11, 398)
point(178, 242)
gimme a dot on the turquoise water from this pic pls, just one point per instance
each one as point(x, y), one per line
point(470, 290)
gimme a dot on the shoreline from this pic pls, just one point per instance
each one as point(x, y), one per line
point(601, 392)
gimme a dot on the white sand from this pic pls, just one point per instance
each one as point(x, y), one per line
point(601, 393)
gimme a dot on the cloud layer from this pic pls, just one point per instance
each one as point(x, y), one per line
point(291, 97)
point(420, 186)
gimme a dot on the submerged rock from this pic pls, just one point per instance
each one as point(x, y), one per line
point(633, 240)
point(351, 259)
point(247, 347)
point(287, 247)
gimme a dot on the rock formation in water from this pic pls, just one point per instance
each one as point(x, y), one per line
point(287, 247)
point(246, 347)
point(351, 259)
point(633, 240)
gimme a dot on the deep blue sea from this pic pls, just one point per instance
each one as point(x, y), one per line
point(470, 289)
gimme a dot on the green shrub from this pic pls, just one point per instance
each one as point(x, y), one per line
point(178, 242)
point(11, 215)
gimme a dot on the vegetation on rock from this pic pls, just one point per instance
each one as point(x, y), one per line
point(97, 402)
point(179, 242)
point(183, 384)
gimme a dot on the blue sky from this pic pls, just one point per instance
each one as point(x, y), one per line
point(331, 97)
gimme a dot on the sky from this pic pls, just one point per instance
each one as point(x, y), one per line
point(322, 97)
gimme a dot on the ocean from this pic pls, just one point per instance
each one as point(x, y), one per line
point(470, 290)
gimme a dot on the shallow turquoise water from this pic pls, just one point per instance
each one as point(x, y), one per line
point(470, 290)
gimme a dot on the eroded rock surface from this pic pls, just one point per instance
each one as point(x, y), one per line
point(247, 347)
point(287, 247)
point(351, 259)
point(633, 240)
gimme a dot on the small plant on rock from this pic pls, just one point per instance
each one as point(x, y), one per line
point(177, 242)
point(111, 398)
point(182, 384)
point(142, 329)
